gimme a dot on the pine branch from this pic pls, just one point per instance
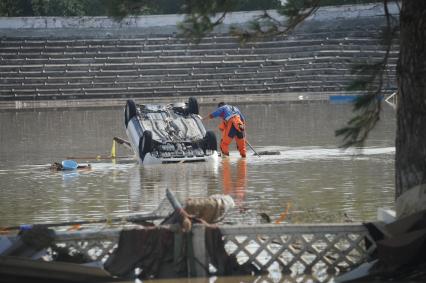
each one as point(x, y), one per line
point(267, 26)
point(369, 106)
point(200, 17)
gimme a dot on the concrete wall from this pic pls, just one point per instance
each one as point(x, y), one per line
point(165, 24)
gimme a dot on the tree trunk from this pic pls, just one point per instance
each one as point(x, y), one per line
point(410, 158)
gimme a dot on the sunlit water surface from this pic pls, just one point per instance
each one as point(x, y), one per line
point(312, 179)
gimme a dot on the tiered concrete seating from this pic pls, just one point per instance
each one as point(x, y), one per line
point(62, 68)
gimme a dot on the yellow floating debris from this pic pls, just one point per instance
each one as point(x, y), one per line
point(113, 155)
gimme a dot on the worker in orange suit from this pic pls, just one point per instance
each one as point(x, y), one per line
point(232, 127)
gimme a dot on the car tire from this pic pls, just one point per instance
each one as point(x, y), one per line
point(145, 144)
point(193, 106)
point(210, 141)
point(130, 111)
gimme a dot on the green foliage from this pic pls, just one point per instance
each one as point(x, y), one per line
point(26, 8)
point(122, 8)
point(346, 2)
point(358, 128)
point(252, 5)
point(266, 25)
point(96, 8)
point(294, 7)
point(169, 6)
point(369, 74)
point(365, 73)
point(369, 80)
point(58, 7)
point(119, 8)
point(201, 17)
point(13, 8)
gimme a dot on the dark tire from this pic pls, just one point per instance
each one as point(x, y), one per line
point(193, 106)
point(210, 141)
point(145, 144)
point(130, 111)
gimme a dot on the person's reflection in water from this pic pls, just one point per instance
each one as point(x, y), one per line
point(236, 187)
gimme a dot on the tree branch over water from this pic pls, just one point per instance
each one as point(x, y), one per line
point(370, 79)
point(200, 17)
point(267, 26)
point(370, 75)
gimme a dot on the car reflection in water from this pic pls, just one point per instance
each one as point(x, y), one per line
point(148, 184)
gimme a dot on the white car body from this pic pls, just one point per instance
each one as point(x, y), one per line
point(170, 133)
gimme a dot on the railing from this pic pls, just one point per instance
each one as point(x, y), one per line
point(319, 251)
point(166, 66)
point(92, 244)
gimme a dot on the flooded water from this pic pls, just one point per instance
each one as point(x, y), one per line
point(312, 179)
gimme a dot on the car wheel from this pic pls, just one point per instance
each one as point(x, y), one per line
point(130, 111)
point(210, 141)
point(193, 106)
point(145, 144)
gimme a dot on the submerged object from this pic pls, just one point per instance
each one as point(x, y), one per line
point(269, 152)
point(69, 164)
point(172, 133)
point(211, 209)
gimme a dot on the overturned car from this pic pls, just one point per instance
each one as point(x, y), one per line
point(169, 133)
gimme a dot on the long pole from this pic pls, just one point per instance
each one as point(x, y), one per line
point(258, 155)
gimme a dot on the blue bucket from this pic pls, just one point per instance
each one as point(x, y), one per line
point(69, 165)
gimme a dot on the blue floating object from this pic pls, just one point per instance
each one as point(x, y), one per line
point(25, 227)
point(348, 98)
point(69, 165)
point(343, 98)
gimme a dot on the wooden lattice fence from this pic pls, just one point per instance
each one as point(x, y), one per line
point(317, 252)
point(320, 251)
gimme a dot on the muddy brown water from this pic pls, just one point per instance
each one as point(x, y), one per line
point(312, 179)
